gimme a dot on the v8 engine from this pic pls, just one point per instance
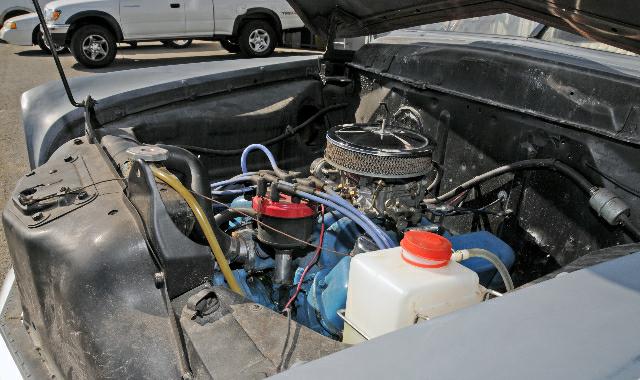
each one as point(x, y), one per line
point(366, 194)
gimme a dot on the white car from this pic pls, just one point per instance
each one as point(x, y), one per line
point(24, 30)
point(92, 28)
point(13, 8)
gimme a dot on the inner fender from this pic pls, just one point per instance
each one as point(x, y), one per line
point(86, 276)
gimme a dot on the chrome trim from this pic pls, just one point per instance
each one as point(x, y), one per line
point(57, 28)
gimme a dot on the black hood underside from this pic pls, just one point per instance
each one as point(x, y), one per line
point(614, 22)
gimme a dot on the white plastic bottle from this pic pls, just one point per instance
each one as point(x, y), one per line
point(395, 288)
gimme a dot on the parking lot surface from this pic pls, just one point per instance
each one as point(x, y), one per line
point(22, 68)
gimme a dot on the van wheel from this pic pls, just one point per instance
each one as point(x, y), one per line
point(93, 46)
point(257, 39)
point(42, 44)
point(177, 44)
point(230, 46)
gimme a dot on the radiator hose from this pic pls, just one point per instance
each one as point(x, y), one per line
point(203, 221)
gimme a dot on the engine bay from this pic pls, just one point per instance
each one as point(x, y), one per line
point(276, 228)
point(369, 189)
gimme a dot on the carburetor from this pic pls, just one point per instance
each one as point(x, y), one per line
point(383, 171)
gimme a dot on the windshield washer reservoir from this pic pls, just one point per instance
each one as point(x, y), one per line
point(394, 288)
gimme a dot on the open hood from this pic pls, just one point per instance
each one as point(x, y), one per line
point(614, 22)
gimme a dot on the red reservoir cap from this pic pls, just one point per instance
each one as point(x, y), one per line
point(425, 249)
point(284, 209)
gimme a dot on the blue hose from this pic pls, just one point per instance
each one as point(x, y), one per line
point(231, 191)
point(342, 202)
point(333, 201)
point(375, 233)
point(264, 149)
point(239, 178)
point(382, 239)
point(348, 206)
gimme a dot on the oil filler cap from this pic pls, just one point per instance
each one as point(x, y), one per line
point(425, 249)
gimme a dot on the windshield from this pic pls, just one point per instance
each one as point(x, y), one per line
point(509, 25)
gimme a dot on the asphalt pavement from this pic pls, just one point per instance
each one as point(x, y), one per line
point(22, 68)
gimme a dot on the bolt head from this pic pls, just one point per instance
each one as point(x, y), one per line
point(255, 307)
point(158, 277)
point(37, 216)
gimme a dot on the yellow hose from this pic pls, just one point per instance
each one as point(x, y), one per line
point(201, 217)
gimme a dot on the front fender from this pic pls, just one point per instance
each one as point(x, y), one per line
point(49, 119)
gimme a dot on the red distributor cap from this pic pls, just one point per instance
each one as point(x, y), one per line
point(283, 209)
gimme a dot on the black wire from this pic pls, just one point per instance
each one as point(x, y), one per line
point(288, 133)
point(534, 164)
point(286, 342)
point(631, 228)
point(465, 211)
point(609, 178)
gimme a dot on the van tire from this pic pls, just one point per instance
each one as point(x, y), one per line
point(257, 39)
point(103, 51)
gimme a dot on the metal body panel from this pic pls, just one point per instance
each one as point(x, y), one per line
point(24, 33)
point(140, 18)
point(561, 85)
point(49, 120)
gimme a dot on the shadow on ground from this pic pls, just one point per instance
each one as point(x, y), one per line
point(158, 55)
point(127, 63)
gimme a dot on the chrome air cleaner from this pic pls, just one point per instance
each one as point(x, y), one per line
point(375, 151)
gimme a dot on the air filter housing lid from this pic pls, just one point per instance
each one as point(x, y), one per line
point(370, 150)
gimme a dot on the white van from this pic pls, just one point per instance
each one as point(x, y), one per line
point(91, 29)
point(13, 8)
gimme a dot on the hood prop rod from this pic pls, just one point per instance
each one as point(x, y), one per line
point(89, 103)
point(54, 53)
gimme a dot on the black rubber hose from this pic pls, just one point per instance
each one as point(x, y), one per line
point(185, 162)
point(631, 229)
point(536, 164)
point(227, 215)
point(288, 133)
